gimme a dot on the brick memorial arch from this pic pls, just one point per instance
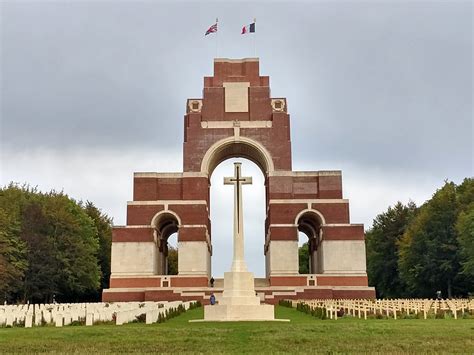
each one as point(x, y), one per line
point(237, 118)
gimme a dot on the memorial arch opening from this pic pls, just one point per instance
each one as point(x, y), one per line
point(222, 218)
point(165, 224)
point(237, 117)
point(309, 223)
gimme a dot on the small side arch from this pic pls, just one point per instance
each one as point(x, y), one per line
point(309, 222)
point(310, 211)
point(164, 223)
point(164, 215)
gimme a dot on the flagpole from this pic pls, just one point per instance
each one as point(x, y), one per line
point(217, 31)
point(255, 39)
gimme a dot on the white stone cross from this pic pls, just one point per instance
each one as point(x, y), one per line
point(238, 262)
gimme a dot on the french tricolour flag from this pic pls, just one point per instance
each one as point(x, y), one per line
point(249, 28)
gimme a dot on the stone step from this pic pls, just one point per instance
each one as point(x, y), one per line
point(280, 293)
point(258, 282)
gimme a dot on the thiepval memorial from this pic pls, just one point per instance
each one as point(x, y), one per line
point(237, 117)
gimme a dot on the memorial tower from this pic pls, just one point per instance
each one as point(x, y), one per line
point(237, 117)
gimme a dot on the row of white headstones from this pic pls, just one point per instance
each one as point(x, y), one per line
point(62, 314)
point(391, 307)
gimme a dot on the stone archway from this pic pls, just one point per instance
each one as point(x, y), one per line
point(221, 215)
point(237, 147)
point(310, 223)
point(165, 224)
point(240, 147)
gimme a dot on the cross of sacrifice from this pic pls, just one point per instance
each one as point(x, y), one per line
point(238, 263)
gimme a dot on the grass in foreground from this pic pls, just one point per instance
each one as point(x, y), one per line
point(304, 334)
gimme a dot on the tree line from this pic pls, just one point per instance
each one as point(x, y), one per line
point(416, 251)
point(52, 247)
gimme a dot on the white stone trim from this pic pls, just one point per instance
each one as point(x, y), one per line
point(194, 174)
point(336, 275)
point(193, 101)
point(167, 202)
point(208, 157)
point(343, 224)
point(343, 257)
point(192, 258)
point(355, 288)
point(348, 274)
point(319, 200)
point(330, 173)
point(282, 225)
point(131, 289)
point(283, 257)
point(127, 276)
point(232, 124)
point(310, 210)
point(283, 104)
point(165, 278)
point(236, 96)
point(155, 175)
point(306, 173)
point(229, 60)
point(166, 211)
point(138, 258)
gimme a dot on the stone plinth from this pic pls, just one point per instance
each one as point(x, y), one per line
point(239, 301)
point(239, 289)
point(222, 313)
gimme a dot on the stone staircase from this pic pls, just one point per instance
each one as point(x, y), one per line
point(267, 293)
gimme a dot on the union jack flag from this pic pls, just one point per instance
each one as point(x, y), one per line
point(211, 29)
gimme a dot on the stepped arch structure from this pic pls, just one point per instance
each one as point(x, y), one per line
point(237, 117)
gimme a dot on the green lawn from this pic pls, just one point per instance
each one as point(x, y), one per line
point(303, 334)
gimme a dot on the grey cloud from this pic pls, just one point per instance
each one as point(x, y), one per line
point(384, 84)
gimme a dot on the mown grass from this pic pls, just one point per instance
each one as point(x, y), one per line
point(304, 334)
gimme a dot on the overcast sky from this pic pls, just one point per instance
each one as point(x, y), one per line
point(92, 91)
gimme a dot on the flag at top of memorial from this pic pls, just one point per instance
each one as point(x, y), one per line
point(211, 29)
point(249, 28)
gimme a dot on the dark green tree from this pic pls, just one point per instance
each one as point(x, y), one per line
point(172, 261)
point(303, 258)
point(103, 224)
point(51, 245)
point(382, 242)
point(13, 257)
point(465, 228)
point(42, 276)
point(60, 231)
point(465, 194)
point(429, 257)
